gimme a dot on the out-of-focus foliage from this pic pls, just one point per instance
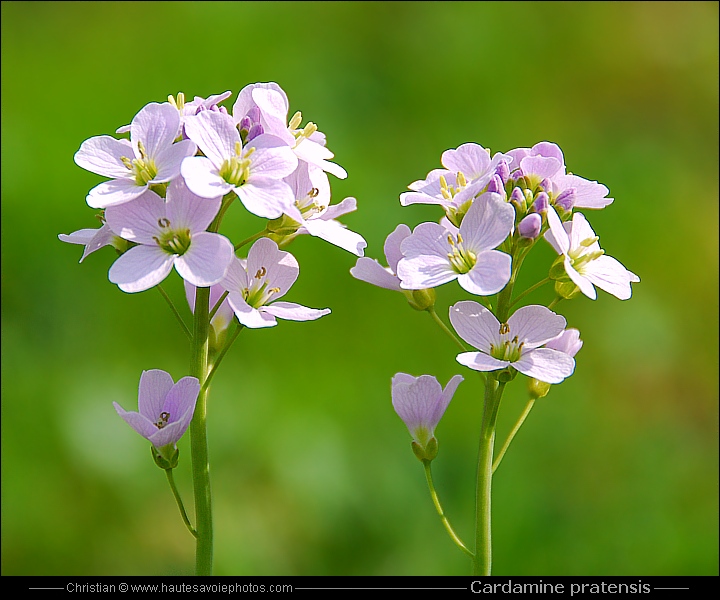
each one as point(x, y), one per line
point(615, 471)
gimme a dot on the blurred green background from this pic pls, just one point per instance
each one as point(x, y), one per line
point(614, 472)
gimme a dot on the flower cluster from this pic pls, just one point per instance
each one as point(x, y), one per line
point(496, 207)
point(174, 176)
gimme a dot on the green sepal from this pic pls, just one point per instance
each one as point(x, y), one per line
point(566, 289)
point(557, 269)
point(537, 389)
point(165, 457)
point(420, 299)
point(507, 374)
point(428, 453)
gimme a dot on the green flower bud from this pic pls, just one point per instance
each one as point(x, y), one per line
point(420, 299)
point(429, 452)
point(566, 289)
point(165, 457)
point(537, 389)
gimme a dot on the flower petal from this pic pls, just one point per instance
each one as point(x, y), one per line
point(186, 210)
point(152, 391)
point(371, 271)
point(337, 234)
point(156, 126)
point(180, 400)
point(471, 159)
point(168, 161)
point(475, 324)
point(392, 246)
point(487, 223)
point(140, 268)
point(114, 192)
point(207, 260)
point(534, 325)
point(202, 177)
point(334, 211)
point(556, 235)
point(279, 268)
point(489, 275)
point(294, 312)
point(265, 197)
point(610, 275)
point(215, 134)
point(236, 278)
point(272, 157)
point(139, 220)
point(140, 424)
point(102, 155)
point(479, 361)
point(247, 315)
point(545, 364)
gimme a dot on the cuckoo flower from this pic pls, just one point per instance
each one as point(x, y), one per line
point(584, 261)
point(266, 105)
point(371, 271)
point(94, 239)
point(151, 156)
point(542, 168)
point(314, 213)
point(253, 172)
point(266, 276)
point(433, 255)
point(421, 402)
point(513, 344)
point(165, 409)
point(170, 232)
point(468, 169)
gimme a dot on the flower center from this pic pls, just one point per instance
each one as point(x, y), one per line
point(143, 168)
point(163, 420)
point(258, 294)
point(580, 257)
point(173, 241)
point(236, 169)
point(308, 206)
point(509, 350)
point(461, 259)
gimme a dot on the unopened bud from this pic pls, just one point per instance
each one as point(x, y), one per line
point(420, 299)
point(255, 131)
point(541, 203)
point(537, 389)
point(566, 199)
point(503, 171)
point(518, 199)
point(496, 185)
point(530, 226)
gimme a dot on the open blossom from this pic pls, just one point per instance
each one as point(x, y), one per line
point(434, 255)
point(371, 271)
point(256, 284)
point(315, 215)
point(468, 170)
point(165, 409)
point(150, 156)
point(516, 343)
point(94, 239)
point(544, 165)
point(585, 262)
point(168, 232)
point(266, 106)
point(254, 172)
point(421, 402)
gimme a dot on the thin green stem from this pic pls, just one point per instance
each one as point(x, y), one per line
point(252, 238)
point(482, 560)
point(185, 328)
point(445, 328)
point(217, 304)
point(555, 301)
point(198, 436)
point(220, 356)
point(179, 501)
point(438, 507)
point(532, 288)
point(515, 429)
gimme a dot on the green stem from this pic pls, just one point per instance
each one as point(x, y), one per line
point(220, 356)
point(445, 328)
point(179, 501)
point(532, 288)
point(185, 328)
point(554, 302)
point(217, 305)
point(438, 507)
point(252, 238)
point(521, 420)
point(198, 436)
point(482, 561)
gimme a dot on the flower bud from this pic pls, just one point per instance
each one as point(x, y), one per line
point(566, 199)
point(255, 131)
point(420, 299)
point(530, 226)
point(503, 171)
point(429, 452)
point(541, 203)
point(546, 185)
point(496, 185)
point(537, 389)
point(518, 199)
